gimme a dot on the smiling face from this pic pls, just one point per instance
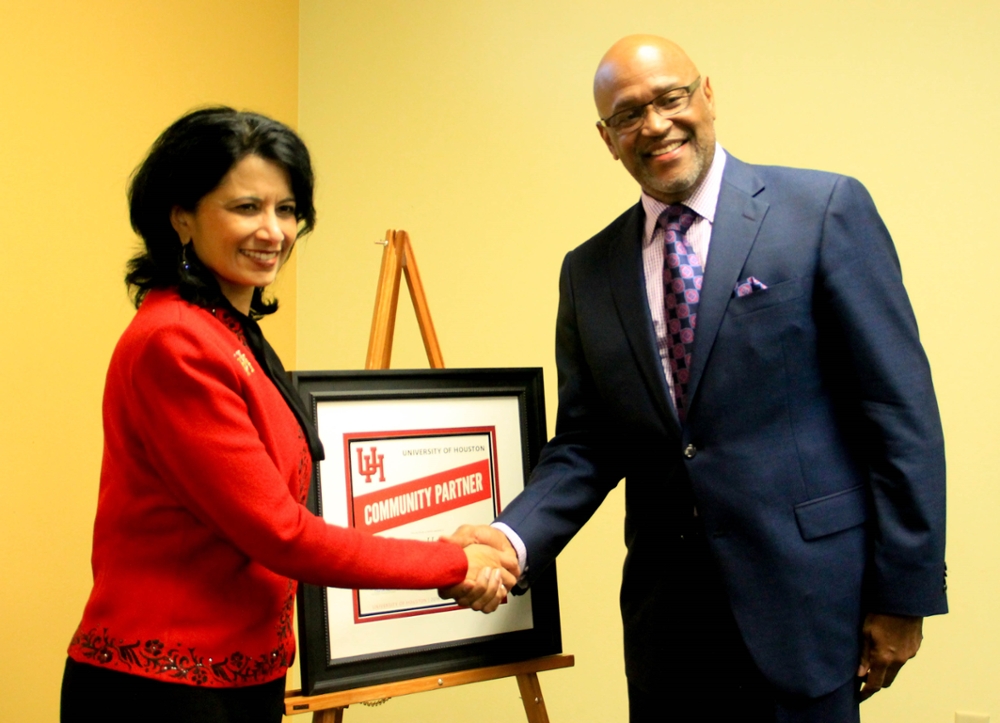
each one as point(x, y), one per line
point(244, 229)
point(667, 156)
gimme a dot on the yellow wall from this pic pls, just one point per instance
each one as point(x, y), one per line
point(470, 124)
point(86, 87)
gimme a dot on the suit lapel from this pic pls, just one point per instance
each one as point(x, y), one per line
point(628, 288)
point(738, 217)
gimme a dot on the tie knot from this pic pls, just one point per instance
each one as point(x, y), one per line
point(676, 217)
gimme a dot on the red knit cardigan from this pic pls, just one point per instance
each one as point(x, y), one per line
point(201, 529)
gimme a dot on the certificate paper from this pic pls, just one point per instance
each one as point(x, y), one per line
point(418, 485)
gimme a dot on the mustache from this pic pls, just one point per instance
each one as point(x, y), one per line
point(661, 142)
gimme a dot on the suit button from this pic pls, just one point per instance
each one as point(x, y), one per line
point(690, 451)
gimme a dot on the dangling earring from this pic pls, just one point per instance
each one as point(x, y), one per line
point(185, 263)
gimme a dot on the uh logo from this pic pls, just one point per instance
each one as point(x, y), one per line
point(369, 464)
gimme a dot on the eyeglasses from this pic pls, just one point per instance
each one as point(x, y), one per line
point(668, 104)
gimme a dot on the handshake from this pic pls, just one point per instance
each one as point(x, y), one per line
point(493, 568)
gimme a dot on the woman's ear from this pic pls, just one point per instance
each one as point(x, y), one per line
point(181, 221)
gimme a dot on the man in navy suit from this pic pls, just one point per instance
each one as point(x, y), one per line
point(770, 406)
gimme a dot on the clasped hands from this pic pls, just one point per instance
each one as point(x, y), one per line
point(493, 568)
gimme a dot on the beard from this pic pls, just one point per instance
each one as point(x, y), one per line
point(675, 185)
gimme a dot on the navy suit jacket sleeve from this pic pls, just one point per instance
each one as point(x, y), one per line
point(860, 295)
point(578, 465)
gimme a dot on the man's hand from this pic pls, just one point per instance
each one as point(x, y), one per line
point(887, 642)
point(484, 535)
point(487, 582)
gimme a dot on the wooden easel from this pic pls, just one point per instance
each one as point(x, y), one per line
point(397, 257)
point(329, 707)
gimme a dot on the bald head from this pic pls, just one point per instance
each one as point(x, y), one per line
point(632, 57)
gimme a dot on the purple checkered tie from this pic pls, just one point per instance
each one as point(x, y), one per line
point(681, 292)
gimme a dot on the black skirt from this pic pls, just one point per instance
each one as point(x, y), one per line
point(91, 693)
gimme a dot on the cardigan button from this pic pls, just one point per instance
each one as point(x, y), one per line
point(690, 451)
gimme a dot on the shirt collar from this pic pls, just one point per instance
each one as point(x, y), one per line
point(702, 201)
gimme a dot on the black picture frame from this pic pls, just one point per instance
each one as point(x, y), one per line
point(324, 670)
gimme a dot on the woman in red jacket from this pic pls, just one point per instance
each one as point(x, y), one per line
point(201, 531)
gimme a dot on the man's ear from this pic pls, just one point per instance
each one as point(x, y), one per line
point(181, 221)
point(606, 135)
point(706, 89)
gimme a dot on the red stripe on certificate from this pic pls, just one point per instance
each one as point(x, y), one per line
point(423, 497)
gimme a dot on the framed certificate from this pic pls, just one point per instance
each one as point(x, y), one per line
point(414, 454)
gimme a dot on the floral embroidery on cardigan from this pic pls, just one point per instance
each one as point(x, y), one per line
point(305, 469)
point(155, 658)
point(231, 323)
point(285, 619)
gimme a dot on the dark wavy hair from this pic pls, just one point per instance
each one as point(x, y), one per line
point(188, 161)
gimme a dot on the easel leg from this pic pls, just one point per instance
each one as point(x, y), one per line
point(531, 697)
point(419, 299)
point(330, 715)
point(386, 301)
